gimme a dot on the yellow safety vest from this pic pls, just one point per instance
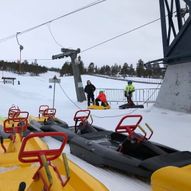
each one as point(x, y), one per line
point(129, 88)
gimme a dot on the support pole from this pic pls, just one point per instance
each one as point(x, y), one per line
point(76, 72)
point(77, 79)
point(54, 94)
point(54, 80)
point(20, 50)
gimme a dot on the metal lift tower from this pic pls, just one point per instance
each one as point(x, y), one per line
point(175, 93)
point(76, 72)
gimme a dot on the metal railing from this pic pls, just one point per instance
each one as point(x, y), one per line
point(137, 80)
point(147, 95)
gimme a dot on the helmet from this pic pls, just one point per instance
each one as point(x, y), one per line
point(130, 82)
point(101, 91)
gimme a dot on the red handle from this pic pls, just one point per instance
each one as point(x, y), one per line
point(79, 117)
point(50, 112)
point(42, 108)
point(27, 156)
point(128, 128)
point(17, 124)
point(13, 112)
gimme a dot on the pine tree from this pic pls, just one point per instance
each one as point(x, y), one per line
point(140, 68)
point(124, 70)
point(91, 68)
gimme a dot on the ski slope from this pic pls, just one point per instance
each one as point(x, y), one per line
point(170, 128)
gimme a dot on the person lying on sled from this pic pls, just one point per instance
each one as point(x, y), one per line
point(129, 89)
point(101, 98)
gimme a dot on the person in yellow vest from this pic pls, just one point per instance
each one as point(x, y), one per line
point(129, 89)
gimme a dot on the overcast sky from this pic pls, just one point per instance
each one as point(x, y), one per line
point(82, 30)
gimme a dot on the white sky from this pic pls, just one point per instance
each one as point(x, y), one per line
point(82, 30)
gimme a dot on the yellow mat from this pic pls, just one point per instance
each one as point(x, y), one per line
point(96, 107)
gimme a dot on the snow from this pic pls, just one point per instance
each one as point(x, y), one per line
point(170, 128)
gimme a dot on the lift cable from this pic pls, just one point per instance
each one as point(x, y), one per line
point(99, 44)
point(17, 39)
point(50, 31)
point(68, 97)
point(50, 21)
point(117, 36)
point(110, 39)
point(120, 35)
point(94, 46)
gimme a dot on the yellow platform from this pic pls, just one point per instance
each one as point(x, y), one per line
point(39, 119)
point(49, 176)
point(172, 179)
point(79, 179)
point(96, 107)
point(10, 156)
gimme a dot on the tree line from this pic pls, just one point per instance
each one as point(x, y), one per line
point(22, 68)
point(141, 69)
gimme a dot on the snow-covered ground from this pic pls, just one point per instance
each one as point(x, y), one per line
point(170, 128)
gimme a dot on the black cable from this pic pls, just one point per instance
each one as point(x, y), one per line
point(49, 29)
point(69, 97)
point(122, 34)
point(7, 38)
point(17, 39)
point(50, 21)
point(103, 42)
point(108, 40)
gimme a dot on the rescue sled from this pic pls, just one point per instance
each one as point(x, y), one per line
point(27, 164)
point(11, 113)
point(11, 137)
point(99, 107)
point(46, 121)
point(172, 179)
point(128, 149)
point(127, 106)
point(16, 121)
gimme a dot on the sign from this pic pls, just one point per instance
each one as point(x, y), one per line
point(8, 82)
point(54, 80)
point(80, 85)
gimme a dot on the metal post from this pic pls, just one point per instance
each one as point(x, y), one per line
point(20, 61)
point(54, 94)
point(77, 80)
point(54, 80)
point(20, 50)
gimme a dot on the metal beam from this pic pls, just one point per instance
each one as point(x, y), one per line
point(176, 29)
